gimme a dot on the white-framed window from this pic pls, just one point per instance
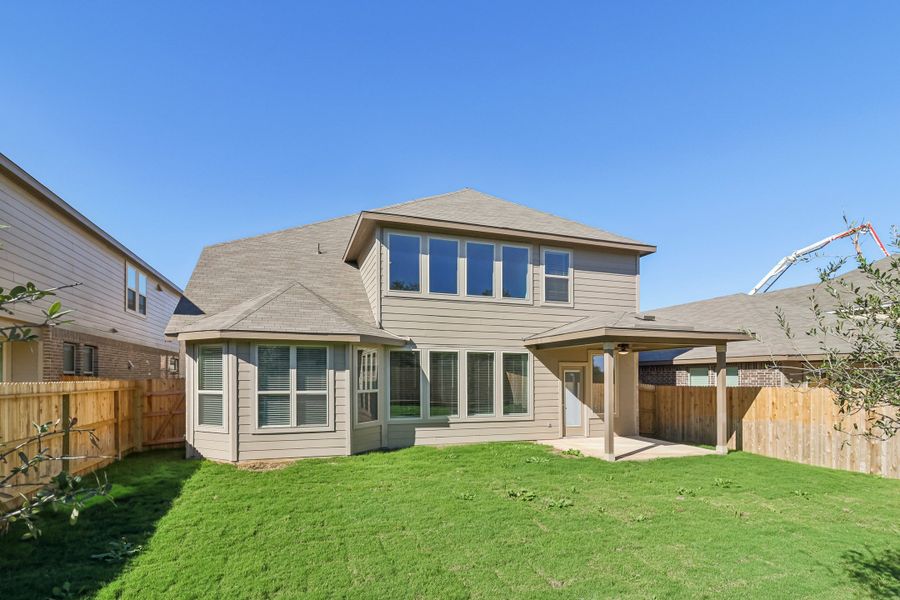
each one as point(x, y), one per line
point(292, 387)
point(405, 382)
point(135, 290)
point(210, 390)
point(443, 383)
point(443, 266)
point(557, 276)
point(480, 383)
point(68, 358)
point(172, 364)
point(516, 383)
point(404, 262)
point(367, 368)
point(515, 271)
point(89, 360)
point(480, 269)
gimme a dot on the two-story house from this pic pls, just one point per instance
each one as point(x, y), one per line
point(119, 307)
point(454, 318)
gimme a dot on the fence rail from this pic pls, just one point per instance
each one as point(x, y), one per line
point(125, 415)
point(793, 424)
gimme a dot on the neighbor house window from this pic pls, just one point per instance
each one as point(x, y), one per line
point(557, 276)
point(514, 266)
point(515, 383)
point(444, 378)
point(366, 385)
point(406, 384)
point(292, 386)
point(404, 271)
point(732, 377)
point(479, 269)
point(210, 410)
point(698, 376)
point(135, 290)
point(480, 383)
point(443, 266)
point(68, 359)
point(89, 360)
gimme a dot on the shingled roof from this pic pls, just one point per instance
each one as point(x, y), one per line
point(756, 314)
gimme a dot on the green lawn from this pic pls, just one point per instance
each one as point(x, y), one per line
point(485, 521)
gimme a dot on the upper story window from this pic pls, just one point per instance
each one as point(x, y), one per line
point(557, 276)
point(514, 263)
point(135, 290)
point(443, 266)
point(404, 272)
point(479, 269)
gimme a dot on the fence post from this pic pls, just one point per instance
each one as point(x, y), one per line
point(66, 440)
point(138, 412)
point(117, 428)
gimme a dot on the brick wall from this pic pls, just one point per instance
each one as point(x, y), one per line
point(114, 359)
point(749, 374)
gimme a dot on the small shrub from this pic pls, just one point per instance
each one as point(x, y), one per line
point(572, 452)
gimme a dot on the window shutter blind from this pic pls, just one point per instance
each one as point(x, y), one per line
point(274, 410)
point(273, 368)
point(480, 371)
point(210, 408)
point(444, 376)
point(515, 384)
point(312, 409)
point(210, 368)
point(557, 289)
point(312, 369)
point(405, 384)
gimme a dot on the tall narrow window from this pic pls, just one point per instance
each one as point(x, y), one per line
point(404, 262)
point(443, 266)
point(479, 269)
point(515, 383)
point(68, 359)
point(698, 376)
point(444, 378)
point(557, 276)
point(515, 272)
point(273, 385)
point(480, 376)
point(406, 382)
point(312, 386)
point(210, 410)
point(89, 360)
point(366, 385)
point(135, 290)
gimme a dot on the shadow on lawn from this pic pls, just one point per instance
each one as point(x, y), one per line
point(879, 572)
point(144, 487)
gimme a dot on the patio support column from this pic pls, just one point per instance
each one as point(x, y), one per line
point(609, 391)
point(721, 402)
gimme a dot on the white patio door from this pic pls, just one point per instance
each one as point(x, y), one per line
point(573, 402)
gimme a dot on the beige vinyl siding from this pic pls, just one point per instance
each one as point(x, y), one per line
point(366, 438)
point(44, 246)
point(368, 270)
point(275, 445)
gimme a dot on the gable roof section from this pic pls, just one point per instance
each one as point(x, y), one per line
point(757, 314)
point(44, 193)
point(471, 210)
point(292, 281)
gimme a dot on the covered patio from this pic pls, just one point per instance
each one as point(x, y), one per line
point(615, 336)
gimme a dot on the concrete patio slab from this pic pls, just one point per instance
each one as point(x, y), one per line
point(629, 448)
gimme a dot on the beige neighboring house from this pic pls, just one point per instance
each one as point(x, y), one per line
point(119, 310)
point(450, 319)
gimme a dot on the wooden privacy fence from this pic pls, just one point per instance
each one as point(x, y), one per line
point(782, 422)
point(125, 415)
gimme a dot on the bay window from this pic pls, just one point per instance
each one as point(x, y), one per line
point(366, 385)
point(210, 386)
point(292, 386)
point(406, 384)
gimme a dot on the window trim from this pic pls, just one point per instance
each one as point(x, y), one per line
point(529, 275)
point(137, 292)
point(196, 391)
point(570, 276)
point(423, 281)
point(294, 392)
point(74, 348)
point(379, 354)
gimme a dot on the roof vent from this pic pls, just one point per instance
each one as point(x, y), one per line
point(646, 317)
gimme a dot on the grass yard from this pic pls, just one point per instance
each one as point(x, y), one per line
point(485, 521)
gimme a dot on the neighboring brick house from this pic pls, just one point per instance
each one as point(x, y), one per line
point(769, 360)
point(120, 306)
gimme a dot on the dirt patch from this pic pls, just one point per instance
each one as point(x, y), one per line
point(264, 465)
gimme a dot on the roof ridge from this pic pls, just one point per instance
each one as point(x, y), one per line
point(351, 319)
point(432, 197)
point(255, 307)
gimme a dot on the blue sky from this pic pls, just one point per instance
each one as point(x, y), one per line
point(728, 135)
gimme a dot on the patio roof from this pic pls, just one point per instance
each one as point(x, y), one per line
point(641, 331)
